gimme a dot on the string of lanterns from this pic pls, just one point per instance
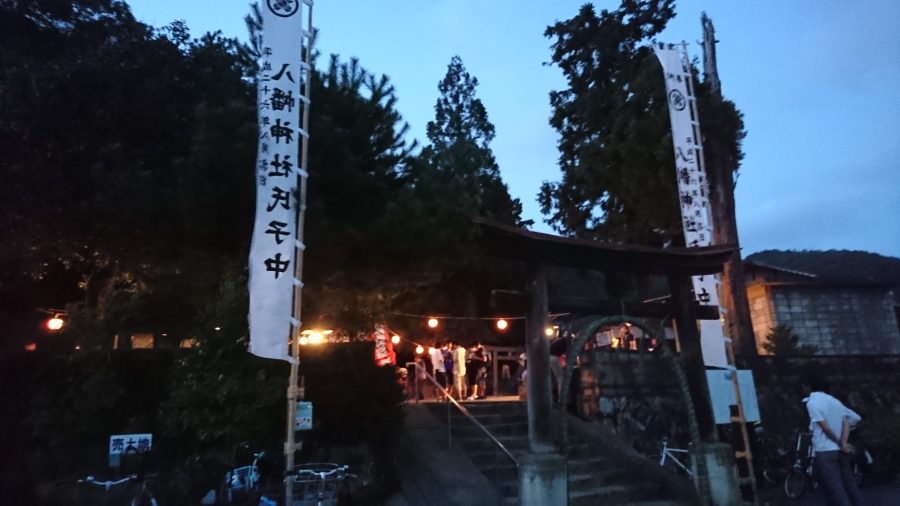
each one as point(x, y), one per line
point(314, 337)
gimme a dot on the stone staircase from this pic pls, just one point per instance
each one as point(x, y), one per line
point(600, 471)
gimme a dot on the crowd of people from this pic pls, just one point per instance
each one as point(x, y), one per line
point(459, 371)
point(462, 372)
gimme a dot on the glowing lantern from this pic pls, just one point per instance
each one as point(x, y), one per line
point(502, 324)
point(432, 323)
point(55, 323)
point(395, 339)
point(420, 350)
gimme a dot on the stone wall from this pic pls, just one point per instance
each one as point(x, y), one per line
point(869, 385)
point(634, 394)
point(761, 313)
point(837, 321)
point(637, 395)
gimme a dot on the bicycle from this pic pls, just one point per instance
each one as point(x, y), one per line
point(318, 484)
point(106, 485)
point(241, 484)
point(669, 455)
point(800, 477)
point(770, 457)
point(145, 496)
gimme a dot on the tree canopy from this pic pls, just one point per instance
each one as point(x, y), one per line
point(127, 176)
point(460, 157)
point(618, 178)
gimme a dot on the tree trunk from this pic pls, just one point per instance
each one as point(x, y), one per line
point(733, 292)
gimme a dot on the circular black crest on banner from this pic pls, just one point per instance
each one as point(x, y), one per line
point(676, 98)
point(283, 8)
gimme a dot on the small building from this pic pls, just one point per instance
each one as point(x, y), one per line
point(842, 302)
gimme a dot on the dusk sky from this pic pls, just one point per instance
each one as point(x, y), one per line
point(818, 82)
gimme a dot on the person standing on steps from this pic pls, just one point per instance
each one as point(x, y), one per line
point(478, 372)
point(437, 366)
point(459, 370)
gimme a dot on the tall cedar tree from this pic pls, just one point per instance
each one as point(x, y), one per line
point(615, 143)
point(456, 176)
point(460, 152)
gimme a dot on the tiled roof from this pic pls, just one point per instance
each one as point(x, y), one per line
point(833, 266)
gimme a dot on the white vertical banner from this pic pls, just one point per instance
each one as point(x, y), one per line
point(280, 100)
point(692, 186)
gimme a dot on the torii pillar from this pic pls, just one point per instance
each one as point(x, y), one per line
point(542, 473)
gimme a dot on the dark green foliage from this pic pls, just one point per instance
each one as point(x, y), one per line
point(616, 148)
point(127, 175)
point(220, 395)
point(83, 398)
point(112, 133)
point(459, 159)
point(357, 232)
point(782, 341)
point(354, 401)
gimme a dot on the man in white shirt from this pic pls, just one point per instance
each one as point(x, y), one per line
point(830, 422)
point(437, 365)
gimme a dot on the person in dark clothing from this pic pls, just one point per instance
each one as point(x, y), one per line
point(478, 361)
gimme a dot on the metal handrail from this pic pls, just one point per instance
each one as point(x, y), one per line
point(465, 412)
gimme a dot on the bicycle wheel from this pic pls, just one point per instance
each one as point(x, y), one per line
point(795, 483)
point(858, 474)
point(769, 459)
point(770, 475)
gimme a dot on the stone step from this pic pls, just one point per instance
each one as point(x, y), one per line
point(611, 494)
point(596, 475)
point(517, 428)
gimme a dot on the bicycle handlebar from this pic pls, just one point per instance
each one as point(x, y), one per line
point(320, 474)
point(108, 484)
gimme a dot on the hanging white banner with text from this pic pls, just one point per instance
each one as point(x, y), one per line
point(692, 186)
point(279, 103)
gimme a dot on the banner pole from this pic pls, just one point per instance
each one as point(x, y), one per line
point(295, 393)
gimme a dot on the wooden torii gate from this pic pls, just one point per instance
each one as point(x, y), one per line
point(538, 251)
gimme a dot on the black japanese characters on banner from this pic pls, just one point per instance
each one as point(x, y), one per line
point(278, 139)
point(282, 88)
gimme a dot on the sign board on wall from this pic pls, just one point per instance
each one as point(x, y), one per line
point(721, 393)
point(304, 418)
point(120, 444)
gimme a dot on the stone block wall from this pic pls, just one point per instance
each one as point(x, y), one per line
point(837, 320)
point(761, 313)
point(634, 394)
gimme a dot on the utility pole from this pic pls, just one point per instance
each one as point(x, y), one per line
point(720, 171)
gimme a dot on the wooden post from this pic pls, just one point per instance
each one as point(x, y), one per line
point(692, 355)
point(540, 430)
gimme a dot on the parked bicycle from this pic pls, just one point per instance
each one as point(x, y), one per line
point(145, 496)
point(319, 484)
point(802, 477)
point(241, 485)
point(771, 459)
point(106, 485)
point(669, 457)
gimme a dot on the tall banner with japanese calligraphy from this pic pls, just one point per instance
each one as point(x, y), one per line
point(692, 186)
point(280, 99)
